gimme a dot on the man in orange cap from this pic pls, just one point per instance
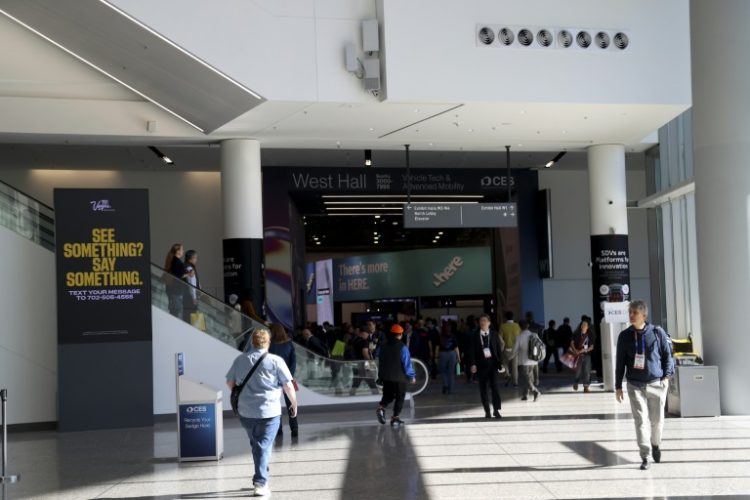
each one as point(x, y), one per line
point(395, 371)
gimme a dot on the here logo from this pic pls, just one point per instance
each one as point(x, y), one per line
point(448, 271)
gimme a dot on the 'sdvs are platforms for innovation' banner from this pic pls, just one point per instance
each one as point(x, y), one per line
point(103, 265)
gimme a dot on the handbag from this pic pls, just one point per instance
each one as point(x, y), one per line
point(234, 398)
point(571, 359)
point(198, 320)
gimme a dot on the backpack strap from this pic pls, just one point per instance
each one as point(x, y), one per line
point(252, 370)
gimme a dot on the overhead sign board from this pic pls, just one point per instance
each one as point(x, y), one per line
point(446, 215)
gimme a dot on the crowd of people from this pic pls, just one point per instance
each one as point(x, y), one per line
point(644, 357)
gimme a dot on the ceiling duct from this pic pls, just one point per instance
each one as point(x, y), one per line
point(543, 38)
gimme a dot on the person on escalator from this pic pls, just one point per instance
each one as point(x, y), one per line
point(395, 371)
point(190, 293)
point(281, 345)
point(175, 271)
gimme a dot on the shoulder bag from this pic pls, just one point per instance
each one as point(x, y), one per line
point(234, 399)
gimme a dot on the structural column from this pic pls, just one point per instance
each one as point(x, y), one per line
point(610, 259)
point(242, 197)
point(721, 133)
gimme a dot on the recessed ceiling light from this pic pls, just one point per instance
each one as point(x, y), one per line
point(317, 243)
point(471, 130)
point(520, 145)
point(375, 233)
point(377, 216)
point(434, 241)
point(440, 233)
point(395, 223)
point(372, 129)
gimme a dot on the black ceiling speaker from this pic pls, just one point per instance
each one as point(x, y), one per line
point(602, 40)
point(583, 39)
point(621, 41)
point(544, 38)
point(525, 37)
point(505, 36)
point(486, 36)
point(565, 38)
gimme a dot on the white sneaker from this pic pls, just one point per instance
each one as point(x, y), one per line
point(261, 490)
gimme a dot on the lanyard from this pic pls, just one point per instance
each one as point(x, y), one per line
point(482, 338)
point(642, 343)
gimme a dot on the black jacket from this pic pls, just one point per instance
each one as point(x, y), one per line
point(475, 353)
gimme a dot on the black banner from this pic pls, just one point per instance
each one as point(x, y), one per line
point(243, 271)
point(610, 272)
point(103, 265)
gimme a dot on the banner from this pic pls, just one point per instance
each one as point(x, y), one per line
point(103, 265)
point(610, 272)
point(413, 273)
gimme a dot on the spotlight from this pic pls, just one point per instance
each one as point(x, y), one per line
point(166, 159)
point(368, 157)
point(555, 159)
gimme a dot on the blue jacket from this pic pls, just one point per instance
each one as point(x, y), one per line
point(657, 347)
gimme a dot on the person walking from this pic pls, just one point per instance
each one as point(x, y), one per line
point(550, 338)
point(259, 402)
point(447, 355)
point(644, 356)
point(520, 353)
point(394, 370)
point(582, 345)
point(509, 331)
point(363, 355)
point(485, 359)
point(190, 293)
point(281, 345)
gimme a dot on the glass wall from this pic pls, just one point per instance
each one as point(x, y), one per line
point(673, 253)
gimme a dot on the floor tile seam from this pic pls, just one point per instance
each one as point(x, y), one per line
point(242, 477)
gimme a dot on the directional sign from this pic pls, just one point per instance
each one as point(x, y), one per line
point(444, 215)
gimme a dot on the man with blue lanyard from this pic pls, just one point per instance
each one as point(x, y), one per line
point(644, 355)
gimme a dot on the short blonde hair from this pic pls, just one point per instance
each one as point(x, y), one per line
point(261, 338)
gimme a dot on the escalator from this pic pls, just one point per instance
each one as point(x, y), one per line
point(325, 380)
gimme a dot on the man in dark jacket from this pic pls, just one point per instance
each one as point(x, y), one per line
point(395, 370)
point(644, 356)
point(484, 357)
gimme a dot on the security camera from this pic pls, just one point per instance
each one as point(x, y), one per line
point(610, 202)
point(590, 264)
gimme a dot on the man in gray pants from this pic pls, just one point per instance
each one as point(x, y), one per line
point(644, 355)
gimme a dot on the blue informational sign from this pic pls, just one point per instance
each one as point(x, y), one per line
point(180, 364)
point(197, 430)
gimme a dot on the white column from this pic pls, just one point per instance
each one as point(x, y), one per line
point(241, 188)
point(609, 246)
point(721, 132)
point(242, 200)
point(607, 190)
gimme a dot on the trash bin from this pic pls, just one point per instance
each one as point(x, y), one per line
point(694, 392)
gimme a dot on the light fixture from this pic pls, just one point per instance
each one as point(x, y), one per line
point(368, 157)
point(377, 216)
point(166, 159)
point(440, 233)
point(555, 159)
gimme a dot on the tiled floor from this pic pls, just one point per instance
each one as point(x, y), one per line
point(566, 445)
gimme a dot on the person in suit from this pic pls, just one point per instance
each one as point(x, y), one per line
point(485, 359)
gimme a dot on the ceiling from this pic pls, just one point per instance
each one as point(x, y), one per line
point(48, 96)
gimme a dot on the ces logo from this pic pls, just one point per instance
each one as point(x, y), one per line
point(196, 409)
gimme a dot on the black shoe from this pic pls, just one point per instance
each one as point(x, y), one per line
point(380, 412)
point(487, 415)
point(645, 465)
point(395, 422)
point(524, 398)
point(496, 414)
point(536, 395)
point(656, 453)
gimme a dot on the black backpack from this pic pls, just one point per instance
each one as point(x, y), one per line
point(537, 350)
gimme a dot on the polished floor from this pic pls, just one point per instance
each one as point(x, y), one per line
point(566, 445)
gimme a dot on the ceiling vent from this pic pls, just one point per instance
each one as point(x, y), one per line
point(583, 39)
point(602, 40)
point(564, 38)
point(486, 36)
point(505, 36)
point(545, 38)
point(525, 37)
point(621, 40)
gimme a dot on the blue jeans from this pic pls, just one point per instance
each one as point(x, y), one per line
point(261, 432)
point(447, 361)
